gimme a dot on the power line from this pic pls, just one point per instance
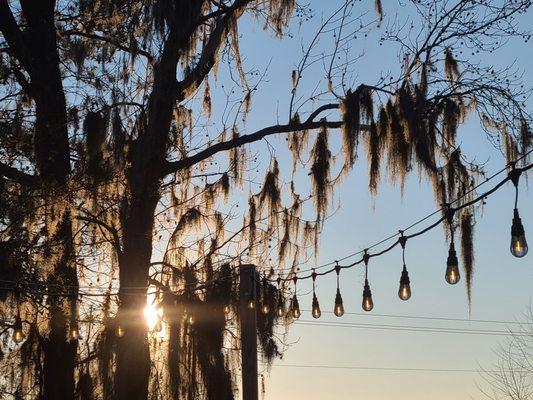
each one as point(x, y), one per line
point(407, 328)
point(424, 317)
point(391, 369)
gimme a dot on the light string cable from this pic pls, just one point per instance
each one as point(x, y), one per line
point(449, 210)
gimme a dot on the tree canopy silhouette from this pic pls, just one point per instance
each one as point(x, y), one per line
point(116, 189)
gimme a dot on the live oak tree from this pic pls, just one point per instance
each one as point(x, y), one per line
point(108, 151)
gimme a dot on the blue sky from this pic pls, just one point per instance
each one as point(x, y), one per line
point(502, 284)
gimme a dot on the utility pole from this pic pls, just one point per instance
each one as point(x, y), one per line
point(247, 286)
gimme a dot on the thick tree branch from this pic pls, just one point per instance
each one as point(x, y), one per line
point(13, 35)
point(207, 59)
point(171, 167)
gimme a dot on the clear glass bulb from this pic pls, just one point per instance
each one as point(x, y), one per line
point(519, 246)
point(280, 311)
point(404, 291)
point(190, 319)
point(368, 303)
point(295, 309)
point(227, 309)
point(265, 308)
point(18, 333)
point(315, 310)
point(250, 304)
point(74, 332)
point(338, 310)
point(119, 331)
point(452, 267)
point(518, 237)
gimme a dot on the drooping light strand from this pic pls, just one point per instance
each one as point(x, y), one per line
point(315, 308)
point(280, 306)
point(295, 306)
point(338, 309)
point(368, 303)
point(404, 291)
point(265, 304)
point(518, 235)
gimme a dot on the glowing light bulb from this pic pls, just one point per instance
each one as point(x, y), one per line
point(295, 308)
point(368, 304)
point(315, 309)
point(227, 309)
point(338, 310)
point(265, 308)
point(119, 331)
point(18, 334)
point(452, 267)
point(404, 291)
point(280, 308)
point(250, 304)
point(518, 237)
point(190, 319)
point(73, 332)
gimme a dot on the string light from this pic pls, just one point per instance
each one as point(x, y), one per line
point(295, 306)
point(452, 274)
point(280, 306)
point(518, 236)
point(368, 303)
point(338, 309)
point(18, 333)
point(250, 304)
point(315, 307)
point(404, 291)
point(518, 247)
point(73, 332)
point(265, 306)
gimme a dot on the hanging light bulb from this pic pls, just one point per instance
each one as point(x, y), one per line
point(190, 319)
point(452, 266)
point(315, 309)
point(265, 308)
point(251, 303)
point(295, 308)
point(518, 237)
point(226, 309)
point(338, 309)
point(404, 292)
point(368, 304)
point(280, 306)
point(119, 331)
point(18, 334)
point(73, 332)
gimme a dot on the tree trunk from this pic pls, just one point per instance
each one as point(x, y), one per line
point(52, 155)
point(133, 355)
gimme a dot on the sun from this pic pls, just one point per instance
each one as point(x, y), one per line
point(154, 319)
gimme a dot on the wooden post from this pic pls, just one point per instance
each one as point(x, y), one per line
point(248, 333)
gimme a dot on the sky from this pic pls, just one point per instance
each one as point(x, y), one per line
point(502, 284)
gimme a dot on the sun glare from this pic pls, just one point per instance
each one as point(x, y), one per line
point(154, 317)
